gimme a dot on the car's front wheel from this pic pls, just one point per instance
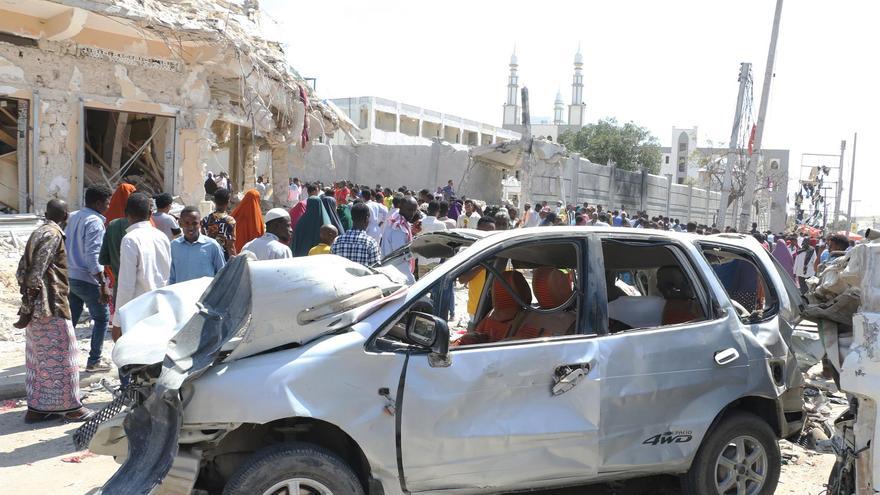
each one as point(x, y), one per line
point(294, 469)
point(740, 456)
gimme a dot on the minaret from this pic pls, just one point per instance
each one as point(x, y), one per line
point(511, 108)
point(577, 110)
point(558, 107)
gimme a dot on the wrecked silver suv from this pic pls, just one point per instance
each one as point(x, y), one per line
point(582, 355)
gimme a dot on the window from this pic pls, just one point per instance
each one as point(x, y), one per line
point(529, 291)
point(682, 147)
point(649, 286)
point(774, 165)
point(679, 180)
point(681, 166)
point(667, 159)
point(743, 281)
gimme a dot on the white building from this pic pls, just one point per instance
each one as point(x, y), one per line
point(679, 162)
point(545, 127)
point(385, 121)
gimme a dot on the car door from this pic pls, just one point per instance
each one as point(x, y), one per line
point(491, 421)
point(662, 386)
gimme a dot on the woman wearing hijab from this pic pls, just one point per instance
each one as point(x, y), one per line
point(784, 257)
point(248, 219)
point(117, 202)
point(330, 207)
point(343, 211)
point(308, 230)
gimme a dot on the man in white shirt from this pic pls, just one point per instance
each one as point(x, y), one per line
point(144, 258)
point(378, 215)
point(261, 187)
point(163, 219)
point(399, 233)
point(293, 191)
point(469, 218)
point(275, 243)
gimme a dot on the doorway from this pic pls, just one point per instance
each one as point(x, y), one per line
point(14, 171)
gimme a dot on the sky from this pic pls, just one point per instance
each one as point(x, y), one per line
point(659, 64)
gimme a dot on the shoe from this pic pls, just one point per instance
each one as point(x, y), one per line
point(81, 414)
point(23, 321)
point(32, 416)
point(101, 365)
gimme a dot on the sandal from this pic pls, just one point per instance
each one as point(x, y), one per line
point(32, 416)
point(81, 414)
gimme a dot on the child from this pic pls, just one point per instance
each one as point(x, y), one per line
point(328, 234)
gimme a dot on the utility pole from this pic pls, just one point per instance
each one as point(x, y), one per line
point(745, 215)
point(526, 142)
point(745, 69)
point(852, 183)
point(839, 185)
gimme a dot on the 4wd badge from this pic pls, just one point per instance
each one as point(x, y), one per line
point(678, 436)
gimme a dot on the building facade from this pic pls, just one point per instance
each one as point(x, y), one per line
point(385, 121)
point(149, 93)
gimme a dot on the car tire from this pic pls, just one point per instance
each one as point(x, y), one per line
point(741, 446)
point(314, 468)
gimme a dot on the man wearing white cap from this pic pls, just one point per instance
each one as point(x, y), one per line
point(275, 243)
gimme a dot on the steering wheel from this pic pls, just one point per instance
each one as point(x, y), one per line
point(743, 312)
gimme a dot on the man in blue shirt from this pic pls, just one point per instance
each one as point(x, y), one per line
point(194, 255)
point(84, 236)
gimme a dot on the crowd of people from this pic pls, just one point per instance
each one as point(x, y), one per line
point(124, 243)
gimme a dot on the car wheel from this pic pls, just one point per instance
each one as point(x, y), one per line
point(740, 456)
point(294, 469)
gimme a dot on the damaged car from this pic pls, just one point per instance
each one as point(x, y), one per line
point(587, 355)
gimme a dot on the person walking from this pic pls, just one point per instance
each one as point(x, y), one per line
point(163, 219)
point(144, 259)
point(194, 255)
point(51, 354)
point(399, 233)
point(248, 219)
point(469, 219)
point(220, 225)
point(355, 244)
point(84, 235)
point(275, 243)
point(329, 233)
point(307, 233)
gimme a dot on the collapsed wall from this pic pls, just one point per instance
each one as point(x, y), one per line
point(414, 166)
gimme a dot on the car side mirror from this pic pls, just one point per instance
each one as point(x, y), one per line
point(431, 332)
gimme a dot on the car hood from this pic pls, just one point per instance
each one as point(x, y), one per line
point(289, 301)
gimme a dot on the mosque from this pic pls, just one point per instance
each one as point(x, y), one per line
point(577, 109)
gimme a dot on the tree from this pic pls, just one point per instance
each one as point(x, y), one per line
point(712, 163)
point(628, 146)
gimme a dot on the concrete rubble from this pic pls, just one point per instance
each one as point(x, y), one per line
point(150, 91)
point(844, 302)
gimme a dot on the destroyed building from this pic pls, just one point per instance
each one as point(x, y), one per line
point(153, 92)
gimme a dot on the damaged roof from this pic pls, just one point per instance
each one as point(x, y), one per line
point(245, 67)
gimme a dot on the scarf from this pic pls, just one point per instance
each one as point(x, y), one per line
point(248, 219)
point(330, 207)
point(117, 202)
point(783, 256)
point(396, 221)
point(308, 229)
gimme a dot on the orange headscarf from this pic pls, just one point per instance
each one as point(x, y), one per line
point(248, 219)
point(117, 202)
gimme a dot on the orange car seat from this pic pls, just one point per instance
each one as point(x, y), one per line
point(672, 283)
point(497, 324)
point(553, 288)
